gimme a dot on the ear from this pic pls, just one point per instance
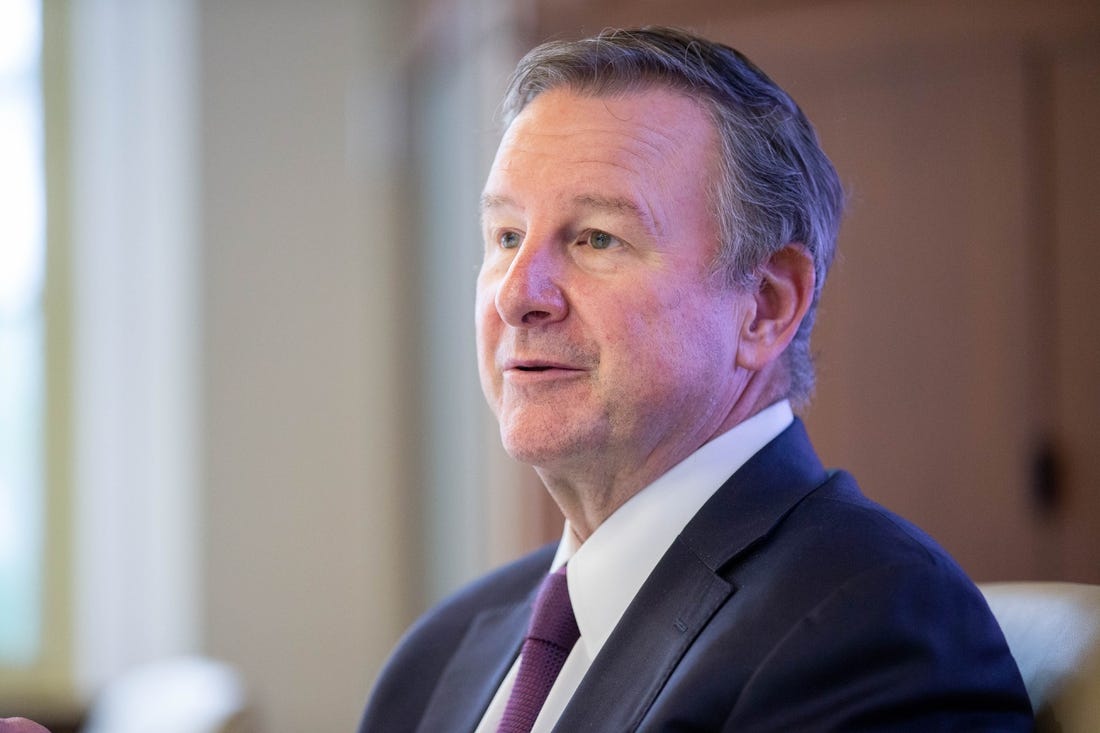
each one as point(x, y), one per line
point(783, 293)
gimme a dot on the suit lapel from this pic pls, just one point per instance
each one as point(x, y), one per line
point(667, 614)
point(755, 499)
point(476, 669)
point(686, 588)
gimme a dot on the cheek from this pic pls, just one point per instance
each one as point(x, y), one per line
point(677, 337)
point(487, 328)
point(485, 312)
point(489, 377)
point(646, 341)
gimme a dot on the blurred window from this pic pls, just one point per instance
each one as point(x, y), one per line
point(22, 259)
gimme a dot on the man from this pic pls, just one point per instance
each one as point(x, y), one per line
point(658, 224)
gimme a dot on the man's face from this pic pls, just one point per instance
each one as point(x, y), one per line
point(602, 340)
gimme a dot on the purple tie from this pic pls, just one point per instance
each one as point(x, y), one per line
point(552, 633)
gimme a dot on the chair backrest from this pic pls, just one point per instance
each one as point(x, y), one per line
point(1053, 631)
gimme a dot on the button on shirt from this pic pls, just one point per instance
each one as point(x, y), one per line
point(607, 570)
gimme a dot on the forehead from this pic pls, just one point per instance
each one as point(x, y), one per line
point(652, 142)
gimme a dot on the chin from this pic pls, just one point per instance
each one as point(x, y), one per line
point(532, 443)
point(548, 449)
point(533, 454)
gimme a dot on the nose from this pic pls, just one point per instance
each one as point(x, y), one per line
point(530, 292)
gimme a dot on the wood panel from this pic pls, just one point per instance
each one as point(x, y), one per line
point(1076, 95)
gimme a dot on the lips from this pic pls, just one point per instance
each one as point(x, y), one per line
point(535, 366)
point(531, 370)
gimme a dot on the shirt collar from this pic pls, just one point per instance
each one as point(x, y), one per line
point(607, 570)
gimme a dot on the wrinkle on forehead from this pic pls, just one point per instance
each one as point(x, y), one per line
point(655, 127)
point(663, 148)
point(638, 146)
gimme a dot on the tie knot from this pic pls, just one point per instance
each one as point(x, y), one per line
point(553, 620)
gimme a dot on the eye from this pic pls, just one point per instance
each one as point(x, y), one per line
point(601, 240)
point(509, 240)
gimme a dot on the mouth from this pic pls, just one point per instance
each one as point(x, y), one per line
point(537, 366)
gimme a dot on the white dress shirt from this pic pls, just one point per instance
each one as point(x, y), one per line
point(608, 569)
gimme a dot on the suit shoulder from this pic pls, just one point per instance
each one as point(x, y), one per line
point(837, 538)
point(863, 533)
point(845, 594)
point(410, 674)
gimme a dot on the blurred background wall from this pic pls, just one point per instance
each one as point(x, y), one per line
point(263, 436)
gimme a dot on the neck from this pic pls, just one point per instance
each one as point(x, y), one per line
point(588, 489)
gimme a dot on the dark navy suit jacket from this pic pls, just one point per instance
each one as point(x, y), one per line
point(790, 602)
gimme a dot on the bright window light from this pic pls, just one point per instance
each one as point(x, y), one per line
point(22, 258)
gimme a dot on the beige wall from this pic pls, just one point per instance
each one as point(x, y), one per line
point(304, 387)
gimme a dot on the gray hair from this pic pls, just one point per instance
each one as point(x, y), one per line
point(775, 184)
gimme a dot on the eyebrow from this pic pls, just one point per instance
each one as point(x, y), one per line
point(614, 204)
point(493, 201)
